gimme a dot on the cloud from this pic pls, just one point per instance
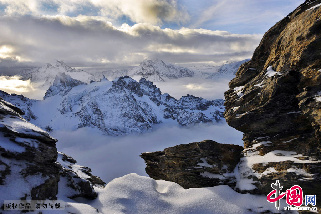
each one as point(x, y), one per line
point(139, 11)
point(84, 40)
point(113, 157)
point(247, 16)
point(111, 32)
point(208, 14)
point(150, 11)
point(208, 89)
point(14, 84)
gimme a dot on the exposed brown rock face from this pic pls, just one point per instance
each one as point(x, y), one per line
point(30, 167)
point(275, 100)
point(193, 165)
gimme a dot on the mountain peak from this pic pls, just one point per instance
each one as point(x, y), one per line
point(48, 65)
point(62, 64)
point(157, 70)
point(62, 84)
point(153, 62)
point(62, 78)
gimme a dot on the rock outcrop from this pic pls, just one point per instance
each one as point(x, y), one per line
point(200, 164)
point(30, 166)
point(275, 101)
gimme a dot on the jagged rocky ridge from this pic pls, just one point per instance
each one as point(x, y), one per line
point(275, 100)
point(120, 107)
point(30, 166)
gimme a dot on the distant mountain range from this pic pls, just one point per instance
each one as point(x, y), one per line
point(152, 70)
point(118, 107)
point(76, 98)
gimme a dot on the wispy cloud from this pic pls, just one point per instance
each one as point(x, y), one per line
point(243, 16)
point(208, 14)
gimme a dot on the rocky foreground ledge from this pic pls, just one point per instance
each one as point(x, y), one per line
point(30, 166)
point(275, 100)
point(201, 164)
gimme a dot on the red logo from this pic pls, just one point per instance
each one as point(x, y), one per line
point(294, 195)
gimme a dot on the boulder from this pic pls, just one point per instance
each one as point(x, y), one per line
point(199, 164)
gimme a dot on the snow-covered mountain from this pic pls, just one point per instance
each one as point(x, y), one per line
point(153, 70)
point(227, 70)
point(46, 75)
point(157, 71)
point(62, 84)
point(120, 107)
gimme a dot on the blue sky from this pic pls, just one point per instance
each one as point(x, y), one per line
point(112, 32)
point(239, 16)
point(234, 16)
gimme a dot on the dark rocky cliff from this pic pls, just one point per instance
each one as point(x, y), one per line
point(30, 166)
point(275, 100)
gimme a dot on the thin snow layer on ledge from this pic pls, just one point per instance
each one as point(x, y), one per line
point(138, 194)
point(318, 97)
point(270, 72)
point(239, 91)
point(244, 171)
point(312, 8)
point(252, 156)
point(21, 126)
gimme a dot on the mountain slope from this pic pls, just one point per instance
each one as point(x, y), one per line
point(62, 85)
point(30, 166)
point(46, 75)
